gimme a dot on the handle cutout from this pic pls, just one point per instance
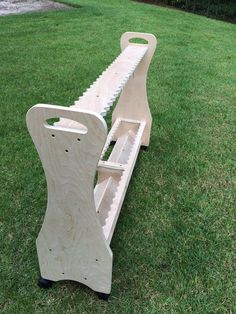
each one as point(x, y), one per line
point(137, 40)
point(68, 125)
point(52, 121)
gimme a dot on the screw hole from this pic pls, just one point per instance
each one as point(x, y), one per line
point(96, 260)
point(53, 135)
point(85, 278)
point(78, 139)
point(63, 273)
point(50, 250)
point(66, 150)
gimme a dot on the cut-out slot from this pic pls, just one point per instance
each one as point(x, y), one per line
point(68, 125)
point(51, 121)
point(137, 40)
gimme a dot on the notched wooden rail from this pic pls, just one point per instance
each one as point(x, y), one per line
point(73, 242)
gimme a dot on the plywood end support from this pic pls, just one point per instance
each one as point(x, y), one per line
point(133, 102)
point(71, 244)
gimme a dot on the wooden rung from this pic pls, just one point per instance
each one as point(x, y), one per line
point(102, 93)
point(112, 167)
point(132, 121)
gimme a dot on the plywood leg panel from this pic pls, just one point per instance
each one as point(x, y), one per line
point(71, 244)
point(133, 102)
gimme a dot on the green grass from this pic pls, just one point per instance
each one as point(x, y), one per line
point(175, 242)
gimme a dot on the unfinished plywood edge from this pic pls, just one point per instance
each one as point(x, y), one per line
point(80, 219)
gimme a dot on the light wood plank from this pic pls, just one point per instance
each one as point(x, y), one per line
point(117, 202)
point(102, 93)
point(112, 167)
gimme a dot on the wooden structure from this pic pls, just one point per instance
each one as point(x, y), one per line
point(73, 243)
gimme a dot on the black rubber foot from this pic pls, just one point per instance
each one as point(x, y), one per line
point(103, 296)
point(44, 283)
point(144, 148)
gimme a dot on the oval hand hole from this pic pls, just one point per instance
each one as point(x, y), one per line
point(138, 41)
point(52, 121)
point(77, 126)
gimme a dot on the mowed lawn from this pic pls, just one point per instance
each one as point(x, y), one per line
point(175, 242)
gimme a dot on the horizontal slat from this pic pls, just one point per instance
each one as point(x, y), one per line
point(109, 166)
point(102, 93)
